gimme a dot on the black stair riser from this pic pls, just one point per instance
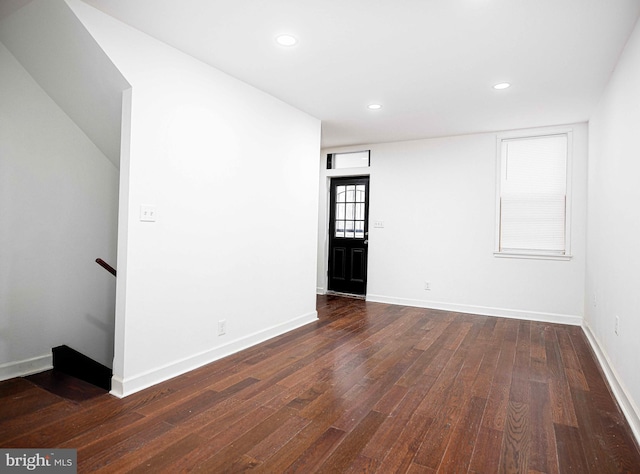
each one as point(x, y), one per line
point(72, 362)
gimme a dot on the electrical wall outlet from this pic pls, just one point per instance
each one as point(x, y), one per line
point(222, 327)
point(427, 286)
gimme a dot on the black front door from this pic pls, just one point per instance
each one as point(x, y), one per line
point(348, 235)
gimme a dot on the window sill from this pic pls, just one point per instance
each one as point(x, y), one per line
point(533, 256)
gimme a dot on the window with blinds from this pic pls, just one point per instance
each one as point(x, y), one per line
point(533, 196)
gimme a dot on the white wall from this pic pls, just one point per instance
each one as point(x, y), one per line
point(58, 52)
point(436, 198)
point(613, 257)
point(233, 175)
point(58, 211)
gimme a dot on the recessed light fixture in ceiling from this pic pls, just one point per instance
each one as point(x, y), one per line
point(374, 106)
point(286, 40)
point(502, 85)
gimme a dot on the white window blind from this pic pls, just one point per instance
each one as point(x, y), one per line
point(533, 195)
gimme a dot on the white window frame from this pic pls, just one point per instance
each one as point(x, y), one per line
point(568, 132)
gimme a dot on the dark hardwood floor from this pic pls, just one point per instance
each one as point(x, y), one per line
point(368, 388)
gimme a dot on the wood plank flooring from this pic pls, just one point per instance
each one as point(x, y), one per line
point(368, 388)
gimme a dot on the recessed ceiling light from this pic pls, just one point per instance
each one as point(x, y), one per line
point(374, 106)
point(502, 85)
point(286, 40)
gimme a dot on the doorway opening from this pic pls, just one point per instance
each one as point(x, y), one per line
point(348, 235)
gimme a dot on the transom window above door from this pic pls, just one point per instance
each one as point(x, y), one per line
point(350, 159)
point(350, 211)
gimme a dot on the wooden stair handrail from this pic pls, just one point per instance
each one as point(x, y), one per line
point(106, 266)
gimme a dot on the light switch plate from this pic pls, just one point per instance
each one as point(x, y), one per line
point(147, 213)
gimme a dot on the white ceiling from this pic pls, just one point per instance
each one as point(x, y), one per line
point(430, 63)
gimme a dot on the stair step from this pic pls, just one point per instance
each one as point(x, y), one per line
point(72, 362)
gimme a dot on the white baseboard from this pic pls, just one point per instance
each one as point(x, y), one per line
point(26, 367)
point(320, 291)
point(122, 387)
point(628, 407)
point(481, 310)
